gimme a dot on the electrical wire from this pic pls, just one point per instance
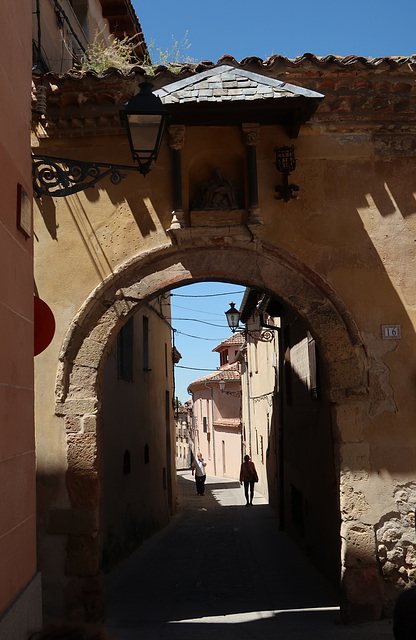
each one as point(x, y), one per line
point(211, 324)
point(208, 295)
point(199, 337)
point(180, 366)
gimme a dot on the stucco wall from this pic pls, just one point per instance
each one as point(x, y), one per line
point(339, 256)
point(17, 454)
point(135, 500)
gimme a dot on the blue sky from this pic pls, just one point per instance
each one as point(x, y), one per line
point(198, 315)
point(241, 29)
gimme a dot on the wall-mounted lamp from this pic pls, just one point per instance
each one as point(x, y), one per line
point(265, 334)
point(234, 394)
point(233, 317)
point(286, 163)
point(144, 117)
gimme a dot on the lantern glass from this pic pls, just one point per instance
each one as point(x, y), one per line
point(233, 317)
point(145, 117)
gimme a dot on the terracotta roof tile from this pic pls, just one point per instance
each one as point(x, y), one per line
point(230, 372)
point(236, 338)
point(227, 422)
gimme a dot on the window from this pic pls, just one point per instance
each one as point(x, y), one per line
point(204, 424)
point(223, 358)
point(125, 343)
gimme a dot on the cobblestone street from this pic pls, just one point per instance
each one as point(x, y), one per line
point(221, 570)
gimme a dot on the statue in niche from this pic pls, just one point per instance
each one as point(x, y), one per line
point(219, 193)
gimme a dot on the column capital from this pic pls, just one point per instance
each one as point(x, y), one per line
point(250, 133)
point(176, 136)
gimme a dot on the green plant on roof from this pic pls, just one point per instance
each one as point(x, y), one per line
point(172, 57)
point(118, 53)
point(121, 54)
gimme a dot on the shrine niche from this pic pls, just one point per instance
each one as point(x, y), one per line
point(218, 193)
point(216, 201)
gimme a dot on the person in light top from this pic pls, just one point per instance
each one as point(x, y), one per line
point(198, 468)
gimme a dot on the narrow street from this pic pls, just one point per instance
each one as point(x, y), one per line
point(223, 570)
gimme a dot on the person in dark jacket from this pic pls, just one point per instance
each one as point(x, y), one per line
point(248, 475)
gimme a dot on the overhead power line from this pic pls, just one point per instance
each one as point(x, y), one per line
point(179, 366)
point(207, 295)
point(207, 313)
point(188, 335)
point(211, 324)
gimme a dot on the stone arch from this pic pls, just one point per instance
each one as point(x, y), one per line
point(90, 335)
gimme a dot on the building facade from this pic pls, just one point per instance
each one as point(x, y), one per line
point(334, 241)
point(20, 593)
point(184, 436)
point(287, 427)
point(216, 407)
point(138, 439)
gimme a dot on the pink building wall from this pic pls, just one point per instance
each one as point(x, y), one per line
point(217, 415)
point(19, 588)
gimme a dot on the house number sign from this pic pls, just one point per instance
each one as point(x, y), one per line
point(391, 332)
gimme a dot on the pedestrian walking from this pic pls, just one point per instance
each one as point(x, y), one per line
point(248, 475)
point(198, 468)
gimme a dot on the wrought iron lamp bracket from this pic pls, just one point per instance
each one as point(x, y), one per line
point(59, 177)
point(286, 191)
point(286, 163)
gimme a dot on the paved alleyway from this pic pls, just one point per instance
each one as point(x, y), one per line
point(221, 570)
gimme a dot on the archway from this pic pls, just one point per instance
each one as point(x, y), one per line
point(90, 335)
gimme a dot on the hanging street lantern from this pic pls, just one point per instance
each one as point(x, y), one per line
point(233, 317)
point(144, 117)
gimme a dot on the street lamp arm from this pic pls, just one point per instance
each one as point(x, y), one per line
point(59, 177)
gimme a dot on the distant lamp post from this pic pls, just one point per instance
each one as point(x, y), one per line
point(222, 386)
point(233, 317)
point(286, 163)
point(144, 117)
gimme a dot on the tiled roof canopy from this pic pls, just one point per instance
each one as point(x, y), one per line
point(226, 83)
point(228, 95)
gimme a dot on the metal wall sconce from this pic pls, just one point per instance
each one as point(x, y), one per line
point(144, 117)
point(233, 317)
point(286, 163)
point(234, 394)
point(265, 334)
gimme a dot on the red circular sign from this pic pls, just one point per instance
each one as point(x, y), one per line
point(44, 323)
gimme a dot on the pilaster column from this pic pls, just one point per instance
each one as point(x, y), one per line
point(251, 138)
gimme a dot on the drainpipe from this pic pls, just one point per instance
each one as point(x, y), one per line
point(212, 428)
